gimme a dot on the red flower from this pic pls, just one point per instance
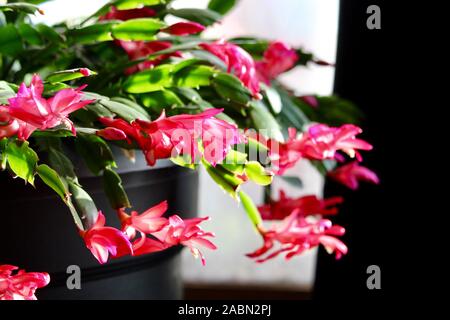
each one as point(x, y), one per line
point(278, 58)
point(217, 135)
point(322, 142)
point(351, 173)
point(179, 135)
point(35, 112)
point(306, 205)
point(164, 233)
point(238, 61)
point(296, 234)
point(21, 285)
point(140, 49)
point(284, 155)
point(8, 125)
point(177, 231)
point(147, 222)
point(111, 134)
point(184, 28)
point(103, 241)
point(115, 14)
point(85, 72)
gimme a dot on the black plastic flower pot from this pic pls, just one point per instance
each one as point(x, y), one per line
point(38, 234)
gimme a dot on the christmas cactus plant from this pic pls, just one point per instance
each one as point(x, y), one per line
point(124, 77)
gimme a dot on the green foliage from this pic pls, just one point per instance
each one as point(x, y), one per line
point(112, 184)
point(290, 114)
point(30, 34)
point(137, 29)
point(125, 110)
point(126, 4)
point(331, 110)
point(205, 17)
point(95, 152)
point(273, 98)
point(85, 212)
point(51, 178)
point(251, 209)
point(159, 100)
point(167, 76)
point(11, 42)
point(6, 92)
point(21, 159)
point(62, 165)
point(256, 172)
point(67, 75)
point(231, 88)
point(263, 120)
point(21, 7)
point(150, 80)
point(100, 31)
point(228, 181)
point(221, 6)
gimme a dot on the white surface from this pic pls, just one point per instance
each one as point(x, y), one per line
point(67, 10)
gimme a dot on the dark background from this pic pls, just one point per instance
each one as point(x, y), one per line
point(369, 73)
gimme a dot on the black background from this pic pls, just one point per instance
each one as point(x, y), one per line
point(370, 72)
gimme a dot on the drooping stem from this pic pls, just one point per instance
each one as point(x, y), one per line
point(251, 210)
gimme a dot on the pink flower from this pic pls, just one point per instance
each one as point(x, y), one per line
point(21, 285)
point(29, 107)
point(184, 28)
point(310, 100)
point(217, 135)
point(306, 205)
point(8, 125)
point(111, 134)
point(147, 222)
point(284, 155)
point(103, 241)
point(178, 135)
point(140, 49)
point(115, 14)
point(163, 233)
point(296, 234)
point(85, 72)
point(238, 62)
point(322, 142)
point(177, 231)
point(351, 173)
point(278, 58)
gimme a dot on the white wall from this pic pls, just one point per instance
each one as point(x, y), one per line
point(67, 10)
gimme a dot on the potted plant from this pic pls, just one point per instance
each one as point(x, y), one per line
point(114, 114)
